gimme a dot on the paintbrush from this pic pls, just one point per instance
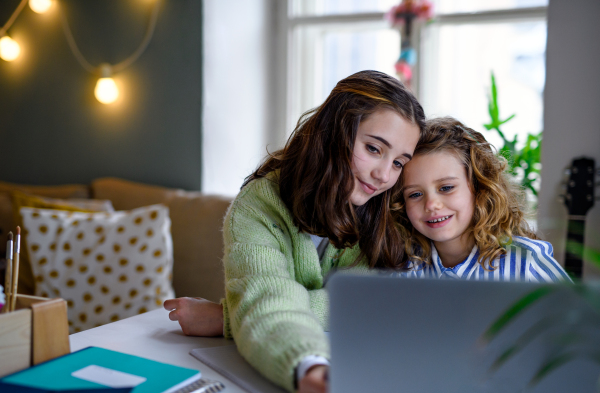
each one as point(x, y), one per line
point(8, 274)
point(15, 272)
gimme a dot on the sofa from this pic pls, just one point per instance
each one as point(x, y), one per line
point(196, 227)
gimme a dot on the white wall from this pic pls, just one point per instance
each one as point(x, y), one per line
point(572, 108)
point(238, 42)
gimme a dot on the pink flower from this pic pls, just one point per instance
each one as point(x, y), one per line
point(421, 9)
point(403, 70)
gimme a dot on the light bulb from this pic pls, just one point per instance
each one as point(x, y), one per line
point(9, 48)
point(40, 6)
point(106, 90)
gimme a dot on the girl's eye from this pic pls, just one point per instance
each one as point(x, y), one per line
point(372, 149)
point(414, 195)
point(446, 188)
point(398, 164)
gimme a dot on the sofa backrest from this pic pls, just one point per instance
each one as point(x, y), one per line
point(7, 222)
point(196, 226)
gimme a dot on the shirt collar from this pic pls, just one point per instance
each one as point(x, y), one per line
point(457, 271)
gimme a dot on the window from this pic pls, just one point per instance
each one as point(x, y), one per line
point(331, 39)
point(325, 53)
point(337, 7)
point(446, 7)
point(459, 51)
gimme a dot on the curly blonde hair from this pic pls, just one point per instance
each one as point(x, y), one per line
point(499, 212)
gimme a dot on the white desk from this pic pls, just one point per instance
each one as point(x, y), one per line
point(152, 335)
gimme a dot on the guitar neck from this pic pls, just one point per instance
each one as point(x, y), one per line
point(579, 199)
point(574, 248)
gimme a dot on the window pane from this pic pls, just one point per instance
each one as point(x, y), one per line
point(457, 6)
point(348, 52)
point(334, 7)
point(456, 66)
point(325, 55)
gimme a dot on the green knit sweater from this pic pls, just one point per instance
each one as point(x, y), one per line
point(275, 307)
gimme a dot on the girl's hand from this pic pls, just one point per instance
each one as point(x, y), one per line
point(315, 380)
point(196, 316)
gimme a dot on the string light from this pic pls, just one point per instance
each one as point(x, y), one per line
point(106, 90)
point(9, 48)
point(40, 6)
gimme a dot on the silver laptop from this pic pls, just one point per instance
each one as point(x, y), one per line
point(423, 336)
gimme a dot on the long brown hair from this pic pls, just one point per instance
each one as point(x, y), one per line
point(315, 176)
point(499, 212)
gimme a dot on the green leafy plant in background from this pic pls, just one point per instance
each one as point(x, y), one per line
point(526, 158)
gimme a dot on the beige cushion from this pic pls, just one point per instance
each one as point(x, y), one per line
point(107, 266)
point(7, 222)
point(197, 222)
point(62, 191)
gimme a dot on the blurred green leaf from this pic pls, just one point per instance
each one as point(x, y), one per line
point(573, 332)
point(550, 365)
point(513, 311)
point(523, 340)
point(590, 294)
point(567, 333)
point(591, 254)
point(509, 118)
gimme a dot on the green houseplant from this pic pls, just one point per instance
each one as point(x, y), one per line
point(524, 163)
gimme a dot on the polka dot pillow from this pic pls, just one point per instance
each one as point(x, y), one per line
point(107, 266)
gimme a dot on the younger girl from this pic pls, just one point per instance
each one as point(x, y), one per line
point(462, 217)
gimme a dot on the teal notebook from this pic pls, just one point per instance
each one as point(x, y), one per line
point(100, 370)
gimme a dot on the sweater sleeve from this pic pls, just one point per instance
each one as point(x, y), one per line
point(270, 314)
point(319, 305)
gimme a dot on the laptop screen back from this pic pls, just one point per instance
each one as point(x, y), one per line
point(418, 335)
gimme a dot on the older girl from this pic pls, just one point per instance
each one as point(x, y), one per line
point(462, 217)
point(320, 203)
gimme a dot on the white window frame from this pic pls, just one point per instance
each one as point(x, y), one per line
point(287, 56)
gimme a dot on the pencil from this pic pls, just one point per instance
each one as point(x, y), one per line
point(15, 272)
point(8, 274)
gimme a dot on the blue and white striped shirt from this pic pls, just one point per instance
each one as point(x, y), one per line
point(525, 260)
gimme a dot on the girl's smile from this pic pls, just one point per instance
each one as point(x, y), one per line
point(369, 189)
point(440, 203)
point(438, 222)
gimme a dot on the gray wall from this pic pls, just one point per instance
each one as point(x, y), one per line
point(53, 130)
point(572, 106)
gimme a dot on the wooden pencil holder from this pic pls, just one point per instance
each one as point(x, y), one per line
point(35, 332)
